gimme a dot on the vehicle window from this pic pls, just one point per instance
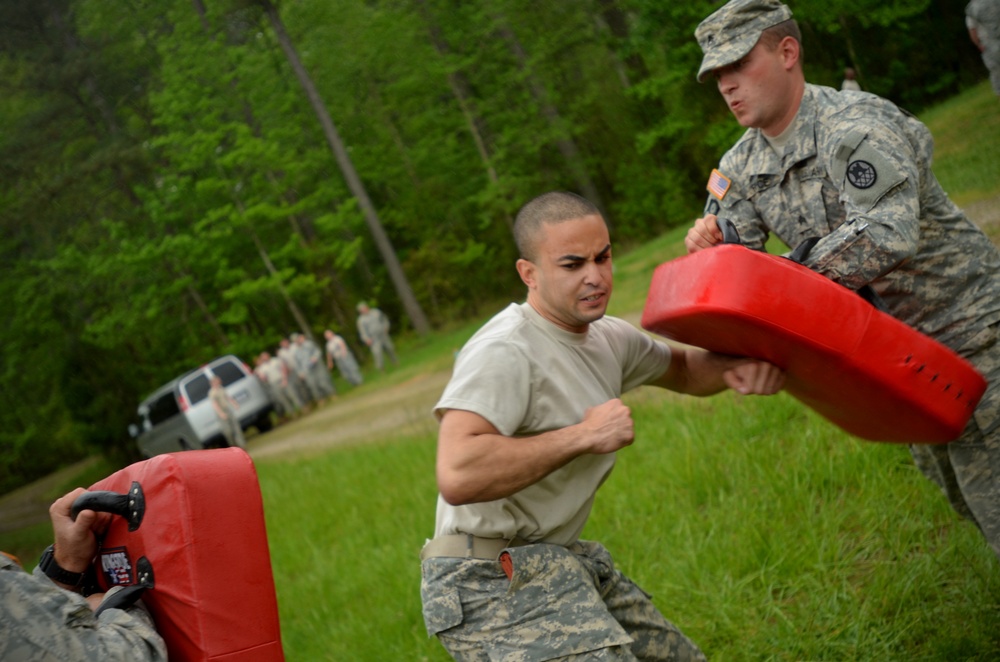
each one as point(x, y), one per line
point(163, 408)
point(197, 388)
point(229, 372)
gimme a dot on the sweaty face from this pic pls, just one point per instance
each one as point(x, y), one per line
point(758, 89)
point(569, 282)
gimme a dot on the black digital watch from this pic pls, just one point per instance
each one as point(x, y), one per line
point(53, 571)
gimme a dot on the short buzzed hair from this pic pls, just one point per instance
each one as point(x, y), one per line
point(553, 207)
point(773, 35)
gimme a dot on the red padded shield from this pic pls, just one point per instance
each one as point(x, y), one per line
point(862, 369)
point(202, 533)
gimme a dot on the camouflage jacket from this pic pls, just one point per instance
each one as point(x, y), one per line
point(373, 325)
point(985, 17)
point(857, 173)
point(40, 622)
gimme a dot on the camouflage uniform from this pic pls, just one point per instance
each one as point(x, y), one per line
point(272, 372)
point(856, 172)
point(41, 622)
point(984, 17)
point(310, 366)
point(338, 351)
point(561, 602)
point(230, 425)
point(373, 327)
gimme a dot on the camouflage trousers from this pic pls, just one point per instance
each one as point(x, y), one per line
point(991, 58)
point(232, 431)
point(968, 469)
point(560, 603)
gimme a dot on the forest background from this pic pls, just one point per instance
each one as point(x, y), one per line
point(186, 178)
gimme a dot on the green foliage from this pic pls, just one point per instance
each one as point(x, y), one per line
point(168, 194)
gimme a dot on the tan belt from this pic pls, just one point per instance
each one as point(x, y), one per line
point(467, 546)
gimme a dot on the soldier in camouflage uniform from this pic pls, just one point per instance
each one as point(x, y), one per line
point(45, 621)
point(373, 327)
point(854, 171)
point(530, 423)
point(982, 17)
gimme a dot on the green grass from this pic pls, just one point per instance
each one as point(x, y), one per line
point(763, 531)
point(760, 529)
point(966, 133)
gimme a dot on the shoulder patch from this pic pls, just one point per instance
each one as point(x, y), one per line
point(718, 184)
point(861, 174)
point(868, 175)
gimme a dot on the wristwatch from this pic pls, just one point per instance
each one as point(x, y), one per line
point(48, 565)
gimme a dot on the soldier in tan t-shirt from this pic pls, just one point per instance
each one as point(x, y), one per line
point(530, 424)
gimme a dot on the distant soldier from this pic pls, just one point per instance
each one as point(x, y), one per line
point(311, 369)
point(273, 372)
point(225, 408)
point(297, 388)
point(338, 352)
point(373, 326)
point(850, 81)
point(982, 17)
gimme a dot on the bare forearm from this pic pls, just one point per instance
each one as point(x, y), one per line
point(700, 373)
point(476, 463)
point(693, 372)
point(486, 467)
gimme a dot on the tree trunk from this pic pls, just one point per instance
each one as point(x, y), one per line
point(567, 146)
point(203, 307)
point(402, 285)
point(461, 90)
point(850, 48)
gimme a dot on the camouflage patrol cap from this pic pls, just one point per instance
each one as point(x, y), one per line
point(732, 31)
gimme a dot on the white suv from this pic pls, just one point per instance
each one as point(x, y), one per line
point(178, 415)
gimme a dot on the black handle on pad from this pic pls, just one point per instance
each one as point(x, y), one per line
point(131, 505)
point(729, 233)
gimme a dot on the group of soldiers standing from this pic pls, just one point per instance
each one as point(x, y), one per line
point(297, 376)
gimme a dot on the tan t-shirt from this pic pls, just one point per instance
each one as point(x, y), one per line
point(527, 376)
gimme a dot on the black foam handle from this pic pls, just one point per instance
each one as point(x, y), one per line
point(131, 505)
point(729, 233)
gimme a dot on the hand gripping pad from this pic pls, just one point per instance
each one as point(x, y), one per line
point(190, 527)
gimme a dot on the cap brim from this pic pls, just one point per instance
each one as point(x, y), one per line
point(732, 52)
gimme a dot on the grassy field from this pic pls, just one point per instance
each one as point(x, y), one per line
point(761, 530)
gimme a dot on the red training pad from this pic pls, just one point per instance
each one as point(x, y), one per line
point(862, 369)
point(203, 534)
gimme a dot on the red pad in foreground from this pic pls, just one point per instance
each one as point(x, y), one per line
point(860, 368)
point(202, 534)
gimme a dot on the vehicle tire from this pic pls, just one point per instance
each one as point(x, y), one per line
point(264, 423)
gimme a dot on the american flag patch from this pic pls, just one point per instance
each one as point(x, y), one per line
point(718, 184)
point(116, 566)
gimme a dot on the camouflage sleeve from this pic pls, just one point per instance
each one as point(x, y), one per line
point(363, 330)
point(40, 622)
point(877, 170)
point(728, 200)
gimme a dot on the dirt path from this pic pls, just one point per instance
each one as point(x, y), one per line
point(401, 409)
point(986, 214)
point(30, 504)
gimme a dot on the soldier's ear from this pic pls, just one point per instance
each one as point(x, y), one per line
point(527, 271)
point(791, 51)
